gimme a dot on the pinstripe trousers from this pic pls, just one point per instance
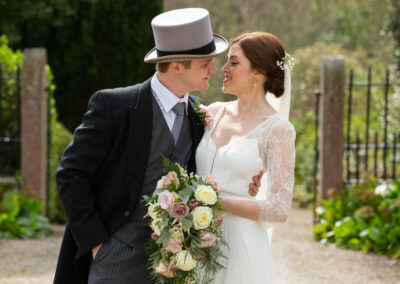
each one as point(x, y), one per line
point(118, 263)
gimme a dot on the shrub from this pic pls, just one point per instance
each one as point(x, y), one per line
point(365, 217)
point(58, 135)
point(20, 216)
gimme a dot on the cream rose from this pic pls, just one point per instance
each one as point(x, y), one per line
point(202, 217)
point(206, 194)
point(185, 261)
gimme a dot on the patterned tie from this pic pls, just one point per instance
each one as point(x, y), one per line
point(179, 110)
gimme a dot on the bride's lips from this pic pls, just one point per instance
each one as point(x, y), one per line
point(227, 78)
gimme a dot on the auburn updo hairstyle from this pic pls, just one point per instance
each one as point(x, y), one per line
point(263, 50)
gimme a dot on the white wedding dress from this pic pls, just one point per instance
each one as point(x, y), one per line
point(268, 147)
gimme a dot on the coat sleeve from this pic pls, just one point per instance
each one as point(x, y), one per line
point(81, 160)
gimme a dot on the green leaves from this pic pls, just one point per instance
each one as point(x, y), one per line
point(185, 194)
point(187, 223)
point(20, 216)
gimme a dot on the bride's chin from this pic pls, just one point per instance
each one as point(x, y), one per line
point(226, 91)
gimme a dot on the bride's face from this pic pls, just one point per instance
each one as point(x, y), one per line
point(239, 77)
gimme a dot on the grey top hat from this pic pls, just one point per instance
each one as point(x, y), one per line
point(184, 34)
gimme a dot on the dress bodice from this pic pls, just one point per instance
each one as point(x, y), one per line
point(269, 147)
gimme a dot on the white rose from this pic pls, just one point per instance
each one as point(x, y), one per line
point(151, 210)
point(160, 183)
point(157, 229)
point(206, 194)
point(202, 217)
point(185, 261)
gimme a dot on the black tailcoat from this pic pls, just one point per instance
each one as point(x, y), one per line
point(101, 172)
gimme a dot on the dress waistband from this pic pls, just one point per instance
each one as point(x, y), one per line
point(233, 195)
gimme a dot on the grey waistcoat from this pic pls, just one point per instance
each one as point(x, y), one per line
point(136, 230)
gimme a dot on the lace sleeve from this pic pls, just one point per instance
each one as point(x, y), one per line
point(279, 156)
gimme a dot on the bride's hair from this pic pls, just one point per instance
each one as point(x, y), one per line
point(264, 50)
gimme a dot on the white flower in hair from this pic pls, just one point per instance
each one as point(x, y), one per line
point(288, 60)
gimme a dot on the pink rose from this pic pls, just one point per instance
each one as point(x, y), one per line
point(208, 115)
point(154, 236)
point(207, 239)
point(211, 181)
point(174, 246)
point(179, 210)
point(165, 199)
point(170, 178)
point(194, 204)
point(163, 269)
point(219, 220)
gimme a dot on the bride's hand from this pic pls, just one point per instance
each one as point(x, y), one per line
point(255, 185)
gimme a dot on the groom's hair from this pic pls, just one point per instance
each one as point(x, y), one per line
point(162, 67)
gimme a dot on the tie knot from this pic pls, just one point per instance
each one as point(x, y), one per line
point(179, 109)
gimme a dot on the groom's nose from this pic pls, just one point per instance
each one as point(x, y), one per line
point(212, 68)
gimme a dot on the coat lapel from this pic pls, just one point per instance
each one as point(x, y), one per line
point(140, 130)
point(197, 130)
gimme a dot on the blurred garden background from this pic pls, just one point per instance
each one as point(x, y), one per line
point(97, 44)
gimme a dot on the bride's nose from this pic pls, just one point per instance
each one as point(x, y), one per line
point(225, 68)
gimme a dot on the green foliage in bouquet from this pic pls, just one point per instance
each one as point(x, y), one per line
point(20, 216)
point(365, 217)
point(185, 214)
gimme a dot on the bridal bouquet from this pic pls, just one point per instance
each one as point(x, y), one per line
point(186, 214)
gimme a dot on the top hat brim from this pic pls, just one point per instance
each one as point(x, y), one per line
point(221, 45)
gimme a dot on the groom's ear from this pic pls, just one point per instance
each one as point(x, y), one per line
point(176, 67)
point(180, 66)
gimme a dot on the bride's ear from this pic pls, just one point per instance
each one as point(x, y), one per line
point(258, 75)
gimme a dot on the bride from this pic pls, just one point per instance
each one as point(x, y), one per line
point(247, 136)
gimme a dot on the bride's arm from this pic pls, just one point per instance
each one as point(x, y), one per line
point(243, 208)
point(280, 156)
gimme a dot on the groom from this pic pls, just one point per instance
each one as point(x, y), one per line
point(114, 158)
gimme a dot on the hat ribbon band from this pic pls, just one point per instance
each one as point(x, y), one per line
point(205, 49)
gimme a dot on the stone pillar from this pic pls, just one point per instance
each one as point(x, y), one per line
point(34, 123)
point(331, 113)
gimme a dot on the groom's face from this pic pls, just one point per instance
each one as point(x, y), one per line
point(198, 75)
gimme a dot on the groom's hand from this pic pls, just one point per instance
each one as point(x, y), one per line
point(255, 185)
point(95, 250)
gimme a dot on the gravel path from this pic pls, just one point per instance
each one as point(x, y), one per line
point(297, 258)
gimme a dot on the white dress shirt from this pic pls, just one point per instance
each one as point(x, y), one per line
point(166, 100)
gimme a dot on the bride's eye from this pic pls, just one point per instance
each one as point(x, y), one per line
point(234, 63)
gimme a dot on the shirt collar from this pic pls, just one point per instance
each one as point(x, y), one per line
point(166, 97)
